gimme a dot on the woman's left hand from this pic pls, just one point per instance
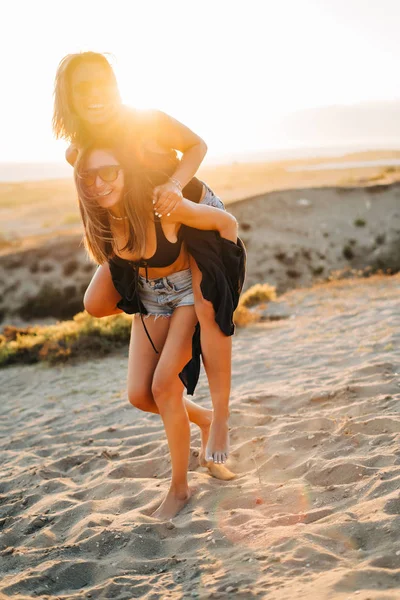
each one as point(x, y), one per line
point(166, 198)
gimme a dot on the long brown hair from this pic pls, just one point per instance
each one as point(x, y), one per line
point(136, 203)
point(66, 124)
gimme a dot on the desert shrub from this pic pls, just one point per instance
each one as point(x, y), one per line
point(51, 301)
point(46, 267)
point(86, 337)
point(360, 223)
point(293, 274)
point(82, 337)
point(70, 267)
point(70, 290)
point(89, 267)
point(348, 252)
point(318, 270)
point(243, 316)
point(260, 292)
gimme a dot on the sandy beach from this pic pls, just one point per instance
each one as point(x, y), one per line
point(314, 509)
point(289, 113)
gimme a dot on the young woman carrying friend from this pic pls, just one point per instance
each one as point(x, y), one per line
point(149, 268)
point(88, 109)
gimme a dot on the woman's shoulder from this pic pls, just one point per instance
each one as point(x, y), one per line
point(145, 119)
point(144, 125)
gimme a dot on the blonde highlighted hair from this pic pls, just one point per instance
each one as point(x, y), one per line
point(66, 124)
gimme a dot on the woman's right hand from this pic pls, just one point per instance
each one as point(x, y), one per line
point(166, 198)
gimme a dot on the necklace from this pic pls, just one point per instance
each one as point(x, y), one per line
point(117, 218)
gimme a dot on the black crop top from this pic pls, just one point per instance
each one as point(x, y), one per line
point(166, 252)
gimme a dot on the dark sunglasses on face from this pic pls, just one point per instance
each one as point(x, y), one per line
point(108, 174)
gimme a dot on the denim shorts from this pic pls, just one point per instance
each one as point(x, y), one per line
point(162, 296)
point(211, 199)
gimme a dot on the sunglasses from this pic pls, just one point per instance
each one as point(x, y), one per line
point(108, 174)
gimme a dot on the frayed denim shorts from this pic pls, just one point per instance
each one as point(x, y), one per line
point(162, 296)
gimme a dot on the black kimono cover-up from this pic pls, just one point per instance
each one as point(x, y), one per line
point(223, 267)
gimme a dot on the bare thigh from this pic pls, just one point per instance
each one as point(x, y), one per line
point(196, 279)
point(204, 308)
point(176, 352)
point(101, 297)
point(142, 358)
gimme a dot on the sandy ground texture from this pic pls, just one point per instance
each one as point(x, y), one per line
point(313, 513)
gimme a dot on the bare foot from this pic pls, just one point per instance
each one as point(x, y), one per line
point(217, 471)
point(217, 449)
point(173, 503)
point(205, 432)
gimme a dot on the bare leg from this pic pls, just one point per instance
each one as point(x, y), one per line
point(101, 297)
point(167, 391)
point(217, 351)
point(142, 363)
point(100, 300)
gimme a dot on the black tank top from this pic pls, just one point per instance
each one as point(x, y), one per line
point(166, 252)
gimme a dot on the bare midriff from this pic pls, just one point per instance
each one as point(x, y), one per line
point(170, 231)
point(181, 263)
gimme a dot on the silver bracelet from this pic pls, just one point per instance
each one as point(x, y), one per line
point(177, 182)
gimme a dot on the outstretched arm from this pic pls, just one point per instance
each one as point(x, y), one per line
point(170, 133)
point(202, 216)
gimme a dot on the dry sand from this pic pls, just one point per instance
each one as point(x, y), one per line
point(315, 430)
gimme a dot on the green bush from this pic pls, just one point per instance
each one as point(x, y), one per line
point(260, 292)
point(83, 337)
point(360, 223)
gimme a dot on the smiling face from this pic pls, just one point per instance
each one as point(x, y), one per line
point(98, 168)
point(94, 94)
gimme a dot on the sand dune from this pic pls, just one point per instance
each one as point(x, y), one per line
point(315, 430)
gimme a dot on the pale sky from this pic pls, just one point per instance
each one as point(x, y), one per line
point(228, 69)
